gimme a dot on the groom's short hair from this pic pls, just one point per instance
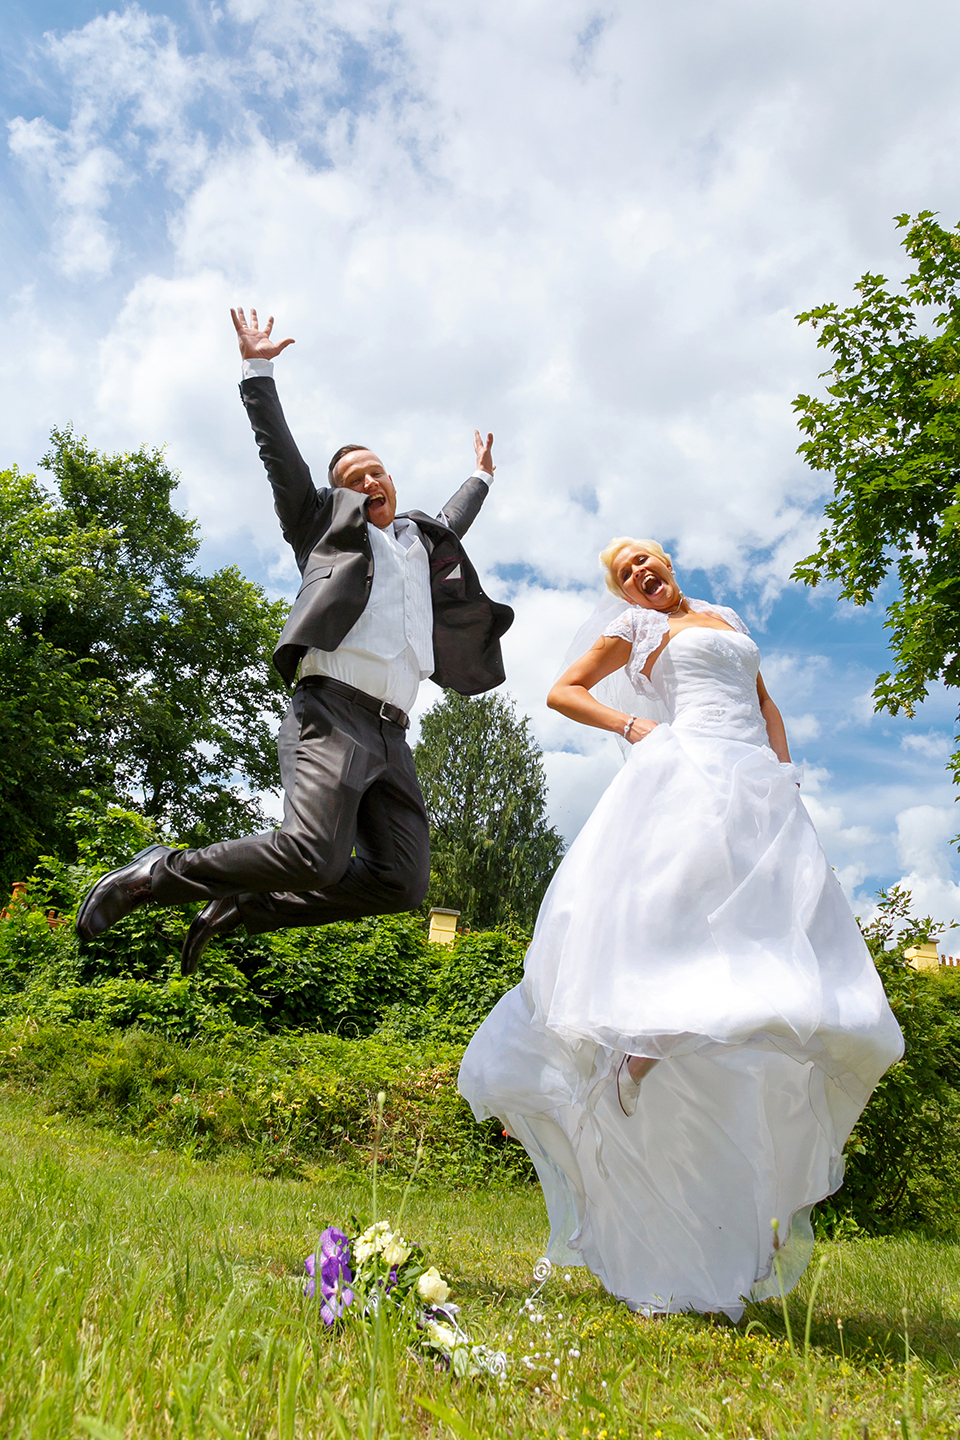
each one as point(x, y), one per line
point(332, 467)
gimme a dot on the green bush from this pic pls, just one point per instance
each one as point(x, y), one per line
point(474, 973)
point(467, 980)
point(279, 1101)
point(35, 952)
point(903, 1158)
point(343, 977)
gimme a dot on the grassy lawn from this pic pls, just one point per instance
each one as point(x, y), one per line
point(145, 1295)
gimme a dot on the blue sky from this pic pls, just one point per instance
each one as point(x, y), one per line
point(588, 227)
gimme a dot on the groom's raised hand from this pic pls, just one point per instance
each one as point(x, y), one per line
point(255, 344)
point(484, 449)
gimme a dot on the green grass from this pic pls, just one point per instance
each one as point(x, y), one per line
point(142, 1294)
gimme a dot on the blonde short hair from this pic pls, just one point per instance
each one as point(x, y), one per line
point(610, 553)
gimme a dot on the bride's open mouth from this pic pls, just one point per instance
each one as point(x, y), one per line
point(652, 585)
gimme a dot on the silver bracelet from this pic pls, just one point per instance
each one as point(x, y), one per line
point(626, 728)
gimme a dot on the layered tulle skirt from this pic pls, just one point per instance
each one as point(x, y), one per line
point(694, 920)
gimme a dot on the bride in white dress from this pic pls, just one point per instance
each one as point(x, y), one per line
point(700, 1023)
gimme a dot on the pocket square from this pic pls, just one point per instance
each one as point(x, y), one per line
point(455, 574)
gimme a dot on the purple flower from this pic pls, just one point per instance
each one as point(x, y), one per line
point(387, 1285)
point(333, 1252)
point(310, 1265)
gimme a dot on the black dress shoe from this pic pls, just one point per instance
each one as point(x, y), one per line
point(217, 918)
point(118, 893)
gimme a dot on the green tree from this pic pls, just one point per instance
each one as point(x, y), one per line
point(889, 432)
point(124, 670)
point(482, 776)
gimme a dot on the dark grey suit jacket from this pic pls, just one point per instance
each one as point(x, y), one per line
point(328, 531)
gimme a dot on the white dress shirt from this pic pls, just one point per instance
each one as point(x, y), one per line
point(390, 648)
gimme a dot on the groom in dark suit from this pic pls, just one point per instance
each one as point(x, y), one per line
point(385, 600)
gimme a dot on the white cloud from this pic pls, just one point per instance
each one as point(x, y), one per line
point(814, 779)
point(924, 836)
point(801, 728)
point(851, 877)
point(934, 745)
point(127, 68)
point(555, 253)
point(833, 832)
point(862, 708)
point(575, 782)
point(795, 679)
point(80, 178)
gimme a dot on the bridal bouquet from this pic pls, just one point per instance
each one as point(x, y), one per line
point(381, 1265)
point(376, 1263)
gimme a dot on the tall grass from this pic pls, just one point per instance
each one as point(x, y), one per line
point(146, 1295)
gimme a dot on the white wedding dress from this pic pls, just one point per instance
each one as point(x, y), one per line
point(696, 920)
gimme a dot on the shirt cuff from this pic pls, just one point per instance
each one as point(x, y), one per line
point(482, 475)
point(257, 369)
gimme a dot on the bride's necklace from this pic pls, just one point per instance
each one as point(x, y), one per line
point(676, 608)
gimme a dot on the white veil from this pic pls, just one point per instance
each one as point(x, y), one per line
point(615, 690)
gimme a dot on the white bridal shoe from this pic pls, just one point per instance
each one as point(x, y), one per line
point(628, 1089)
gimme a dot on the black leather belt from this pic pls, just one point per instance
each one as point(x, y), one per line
point(383, 708)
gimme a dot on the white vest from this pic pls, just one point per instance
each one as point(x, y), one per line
point(390, 648)
point(399, 611)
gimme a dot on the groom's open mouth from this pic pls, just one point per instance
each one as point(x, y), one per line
point(375, 502)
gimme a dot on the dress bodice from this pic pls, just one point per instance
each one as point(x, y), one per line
point(707, 681)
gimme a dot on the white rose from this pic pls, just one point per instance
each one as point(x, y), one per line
point(362, 1250)
point(432, 1287)
point(395, 1251)
point(441, 1336)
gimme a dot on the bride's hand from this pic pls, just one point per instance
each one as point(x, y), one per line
point(640, 729)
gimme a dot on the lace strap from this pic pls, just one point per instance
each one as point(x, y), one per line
point(643, 629)
point(622, 627)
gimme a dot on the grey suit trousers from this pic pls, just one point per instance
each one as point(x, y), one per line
point(354, 839)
